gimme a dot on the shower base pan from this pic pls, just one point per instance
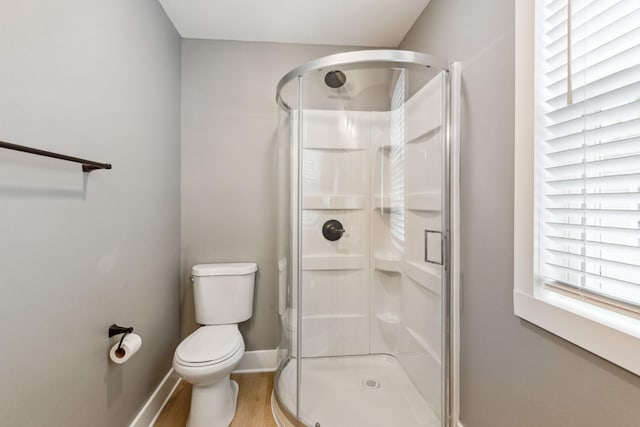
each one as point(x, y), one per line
point(372, 391)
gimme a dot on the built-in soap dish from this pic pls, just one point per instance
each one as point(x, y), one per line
point(388, 262)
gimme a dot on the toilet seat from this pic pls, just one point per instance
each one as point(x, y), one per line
point(209, 345)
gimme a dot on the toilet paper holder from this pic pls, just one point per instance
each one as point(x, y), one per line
point(116, 330)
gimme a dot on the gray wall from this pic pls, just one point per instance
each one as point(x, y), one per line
point(513, 374)
point(101, 80)
point(229, 165)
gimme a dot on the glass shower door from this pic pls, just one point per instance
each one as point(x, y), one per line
point(372, 203)
point(286, 379)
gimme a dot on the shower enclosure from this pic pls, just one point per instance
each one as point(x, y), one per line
point(364, 242)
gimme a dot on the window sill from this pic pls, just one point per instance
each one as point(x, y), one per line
point(608, 334)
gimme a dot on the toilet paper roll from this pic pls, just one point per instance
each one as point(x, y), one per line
point(130, 346)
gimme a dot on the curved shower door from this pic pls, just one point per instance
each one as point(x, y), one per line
point(367, 296)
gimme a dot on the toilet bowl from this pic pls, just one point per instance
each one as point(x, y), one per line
point(205, 359)
point(223, 296)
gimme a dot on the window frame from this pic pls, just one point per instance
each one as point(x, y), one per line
point(611, 334)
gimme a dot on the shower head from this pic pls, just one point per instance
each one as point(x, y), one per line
point(335, 79)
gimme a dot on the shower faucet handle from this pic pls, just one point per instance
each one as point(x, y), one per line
point(332, 230)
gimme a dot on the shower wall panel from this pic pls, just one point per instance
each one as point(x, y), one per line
point(335, 274)
point(406, 197)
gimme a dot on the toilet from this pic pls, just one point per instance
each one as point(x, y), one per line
point(223, 296)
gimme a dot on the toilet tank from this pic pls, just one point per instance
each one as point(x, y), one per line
point(223, 293)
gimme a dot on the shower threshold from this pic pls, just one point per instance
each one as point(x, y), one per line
point(372, 391)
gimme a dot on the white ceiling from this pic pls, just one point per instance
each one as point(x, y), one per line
point(374, 23)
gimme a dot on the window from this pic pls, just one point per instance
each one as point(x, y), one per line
point(578, 172)
point(587, 142)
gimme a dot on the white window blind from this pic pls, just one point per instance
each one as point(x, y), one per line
point(588, 147)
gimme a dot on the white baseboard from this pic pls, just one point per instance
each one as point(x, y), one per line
point(258, 361)
point(151, 410)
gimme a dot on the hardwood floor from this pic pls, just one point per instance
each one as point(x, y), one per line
point(254, 403)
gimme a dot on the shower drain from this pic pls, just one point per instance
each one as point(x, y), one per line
point(371, 383)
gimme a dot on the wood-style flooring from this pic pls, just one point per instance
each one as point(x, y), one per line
point(253, 410)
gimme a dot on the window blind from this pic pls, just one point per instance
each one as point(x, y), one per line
point(588, 146)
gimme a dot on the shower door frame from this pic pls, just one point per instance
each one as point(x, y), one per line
point(450, 208)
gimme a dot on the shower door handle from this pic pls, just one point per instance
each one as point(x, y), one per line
point(434, 246)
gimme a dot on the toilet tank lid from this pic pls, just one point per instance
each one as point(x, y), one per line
point(224, 269)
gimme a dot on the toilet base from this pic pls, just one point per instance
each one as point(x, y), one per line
point(213, 405)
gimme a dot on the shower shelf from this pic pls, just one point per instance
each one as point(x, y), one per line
point(428, 134)
point(423, 136)
point(388, 147)
point(384, 202)
point(334, 201)
point(429, 276)
point(427, 201)
point(337, 145)
point(387, 262)
point(333, 262)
